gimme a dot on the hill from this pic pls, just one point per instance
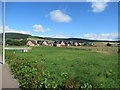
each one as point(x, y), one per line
point(16, 36)
point(25, 36)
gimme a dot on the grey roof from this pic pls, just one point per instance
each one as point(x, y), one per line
point(40, 42)
point(58, 42)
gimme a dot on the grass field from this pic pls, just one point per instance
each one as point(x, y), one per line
point(105, 50)
point(52, 67)
point(0, 49)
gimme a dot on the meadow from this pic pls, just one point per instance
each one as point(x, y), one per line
point(53, 67)
point(100, 49)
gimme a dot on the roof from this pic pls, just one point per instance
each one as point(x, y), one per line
point(32, 41)
point(58, 42)
point(40, 42)
point(68, 42)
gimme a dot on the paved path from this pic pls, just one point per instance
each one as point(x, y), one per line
point(7, 80)
point(0, 73)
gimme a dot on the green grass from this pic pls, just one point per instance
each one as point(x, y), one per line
point(0, 49)
point(66, 65)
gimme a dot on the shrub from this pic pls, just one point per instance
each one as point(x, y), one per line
point(108, 44)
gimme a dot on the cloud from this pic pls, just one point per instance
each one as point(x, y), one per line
point(9, 30)
point(40, 28)
point(59, 16)
point(59, 36)
point(98, 5)
point(54, 36)
point(104, 36)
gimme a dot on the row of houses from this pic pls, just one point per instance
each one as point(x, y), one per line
point(55, 43)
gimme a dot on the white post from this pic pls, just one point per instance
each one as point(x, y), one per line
point(3, 53)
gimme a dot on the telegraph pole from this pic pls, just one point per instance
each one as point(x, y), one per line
point(3, 52)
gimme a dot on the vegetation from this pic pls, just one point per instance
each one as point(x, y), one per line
point(52, 67)
point(108, 44)
point(16, 42)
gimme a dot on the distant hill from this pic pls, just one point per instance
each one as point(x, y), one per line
point(16, 36)
point(78, 40)
point(25, 36)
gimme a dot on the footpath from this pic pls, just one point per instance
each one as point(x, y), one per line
point(7, 81)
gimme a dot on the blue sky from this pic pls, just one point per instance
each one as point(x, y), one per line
point(64, 19)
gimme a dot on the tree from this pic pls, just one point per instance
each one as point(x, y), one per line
point(23, 42)
point(16, 42)
point(108, 44)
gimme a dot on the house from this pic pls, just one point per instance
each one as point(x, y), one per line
point(36, 44)
point(88, 44)
point(69, 43)
point(30, 43)
point(55, 43)
point(39, 42)
point(80, 44)
point(91, 44)
point(43, 43)
point(50, 44)
point(62, 43)
point(75, 43)
point(58, 43)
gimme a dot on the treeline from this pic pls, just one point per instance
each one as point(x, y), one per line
point(16, 42)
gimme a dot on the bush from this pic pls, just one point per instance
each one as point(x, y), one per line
point(108, 44)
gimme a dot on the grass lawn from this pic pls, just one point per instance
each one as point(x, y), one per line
point(52, 67)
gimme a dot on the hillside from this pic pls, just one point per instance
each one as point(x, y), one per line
point(16, 36)
point(26, 36)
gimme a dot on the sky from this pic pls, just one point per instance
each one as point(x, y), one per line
point(0, 13)
point(90, 20)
